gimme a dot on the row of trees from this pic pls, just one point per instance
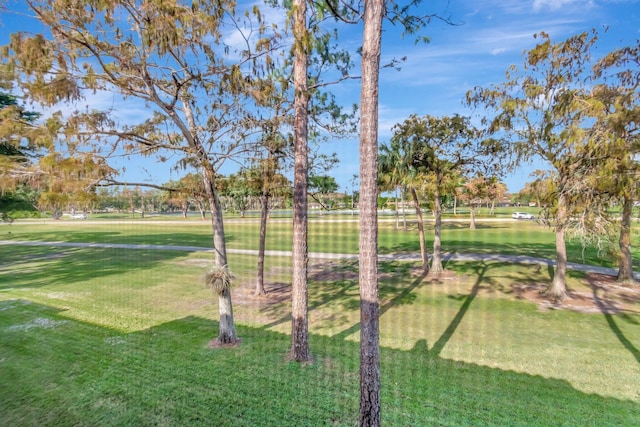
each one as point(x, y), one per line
point(579, 114)
point(243, 191)
point(430, 156)
point(223, 85)
point(219, 85)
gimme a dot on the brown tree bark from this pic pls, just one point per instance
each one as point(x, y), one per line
point(557, 290)
point(227, 330)
point(472, 224)
point(625, 261)
point(368, 260)
point(397, 211)
point(436, 261)
point(264, 214)
point(424, 256)
point(404, 213)
point(299, 293)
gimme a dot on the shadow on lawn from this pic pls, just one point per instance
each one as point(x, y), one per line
point(75, 373)
point(328, 282)
point(400, 296)
point(475, 247)
point(37, 266)
point(196, 238)
point(481, 270)
point(607, 309)
point(510, 246)
point(337, 283)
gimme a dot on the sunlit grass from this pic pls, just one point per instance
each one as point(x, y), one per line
point(503, 237)
point(119, 337)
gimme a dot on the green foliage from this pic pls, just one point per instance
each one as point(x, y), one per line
point(322, 184)
point(18, 204)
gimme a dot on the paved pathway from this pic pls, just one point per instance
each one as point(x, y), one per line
point(518, 259)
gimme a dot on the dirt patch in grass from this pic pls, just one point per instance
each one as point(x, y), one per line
point(600, 294)
point(244, 294)
point(279, 292)
point(216, 344)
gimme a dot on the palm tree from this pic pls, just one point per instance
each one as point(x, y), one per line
point(402, 163)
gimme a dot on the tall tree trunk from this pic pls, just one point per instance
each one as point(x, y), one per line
point(424, 256)
point(299, 292)
point(353, 204)
point(455, 205)
point(397, 211)
point(368, 260)
point(557, 290)
point(404, 213)
point(436, 261)
point(264, 214)
point(625, 261)
point(492, 211)
point(472, 224)
point(227, 330)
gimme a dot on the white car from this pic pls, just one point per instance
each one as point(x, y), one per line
point(79, 216)
point(522, 215)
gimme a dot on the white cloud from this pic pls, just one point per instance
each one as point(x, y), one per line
point(539, 5)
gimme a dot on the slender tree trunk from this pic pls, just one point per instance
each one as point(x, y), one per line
point(368, 260)
point(436, 261)
point(227, 330)
point(404, 214)
point(625, 261)
point(299, 292)
point(472, 224)
point(424, 256)
point(492, 211)
point(353, 205)
point(264, 214)
point(455, 205)
point(397, 211)
point(557, 290)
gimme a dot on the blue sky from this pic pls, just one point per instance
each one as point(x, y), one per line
point(491, 35)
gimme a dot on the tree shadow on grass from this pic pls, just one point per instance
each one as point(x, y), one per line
point(507, 280)
point(35, 267)
point(327, 282)
point(67, 234)
point(399, 296)
point(480, 272)
point(606, 307)
point(75, 373)
point(337, 283)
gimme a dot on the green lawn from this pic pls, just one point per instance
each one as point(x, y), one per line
point(325, 235)
point(97, 336)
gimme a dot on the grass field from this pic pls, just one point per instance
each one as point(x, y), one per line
point(325, 235)
point(95, 336)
